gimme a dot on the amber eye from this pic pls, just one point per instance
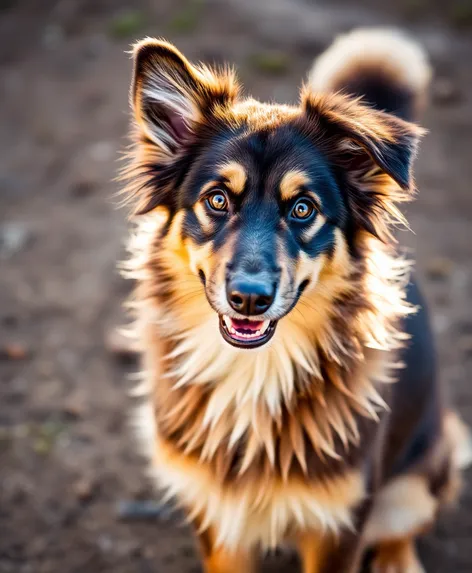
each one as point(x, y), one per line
point(303, 210)
point(217, 201)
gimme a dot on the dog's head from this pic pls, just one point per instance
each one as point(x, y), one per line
point(261, 206)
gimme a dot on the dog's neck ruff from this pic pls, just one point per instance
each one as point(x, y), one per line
point(321, 371)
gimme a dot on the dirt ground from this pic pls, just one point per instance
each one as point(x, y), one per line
point(66, 458)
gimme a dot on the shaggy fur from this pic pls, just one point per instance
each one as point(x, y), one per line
point(289, 441)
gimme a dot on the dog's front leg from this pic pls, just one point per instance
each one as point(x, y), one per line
point(217, 559)
point(314, 549)
point(324, 553)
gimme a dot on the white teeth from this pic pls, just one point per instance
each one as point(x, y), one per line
point(265, 326)
point(229, 326)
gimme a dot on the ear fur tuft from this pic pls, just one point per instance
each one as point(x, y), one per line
point(375, 151)
point(170, 95)
point(172, 100)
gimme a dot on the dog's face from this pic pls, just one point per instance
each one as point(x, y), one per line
point(263, 204)
point(266, 205)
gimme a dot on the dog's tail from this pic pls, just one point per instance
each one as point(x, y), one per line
point(387, 69)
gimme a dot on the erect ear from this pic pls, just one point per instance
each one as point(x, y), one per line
point(375, 150)
point(170, 96)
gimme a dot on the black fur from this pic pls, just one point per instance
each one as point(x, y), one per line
point(376, 90)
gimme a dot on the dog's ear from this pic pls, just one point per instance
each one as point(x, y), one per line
point(175, 103)
point(170, 96)
point(373, 149)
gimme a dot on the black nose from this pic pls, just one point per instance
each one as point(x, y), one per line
point(248, 296)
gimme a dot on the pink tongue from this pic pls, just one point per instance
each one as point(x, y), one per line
point(245, 324)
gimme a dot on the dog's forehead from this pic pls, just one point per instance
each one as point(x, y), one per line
point(280, 159)
point(276, 164)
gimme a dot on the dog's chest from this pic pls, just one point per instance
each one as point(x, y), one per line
point(256, 509)
point(247, 456)
point(253, 478)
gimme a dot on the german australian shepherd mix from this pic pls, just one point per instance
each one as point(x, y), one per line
point(292, 388)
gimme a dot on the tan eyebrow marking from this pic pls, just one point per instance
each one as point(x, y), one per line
point(290, 186)
point(209, 186)
point(235, 175)
point(291, 183)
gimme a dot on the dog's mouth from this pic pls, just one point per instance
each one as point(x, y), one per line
point(246, 332)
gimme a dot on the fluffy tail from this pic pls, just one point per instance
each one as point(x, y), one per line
point(386, 68)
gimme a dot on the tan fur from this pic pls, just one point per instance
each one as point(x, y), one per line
point(218, 559)
point(224, 561)
point(291, 184)
point(260, 510)
point(458, 437)
point(203, 217)
point(314, 228)
point(235, 175)
point(403, 508)
point(313, 548)
point(397, 557)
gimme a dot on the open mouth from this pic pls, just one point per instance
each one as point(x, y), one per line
point(245, 332)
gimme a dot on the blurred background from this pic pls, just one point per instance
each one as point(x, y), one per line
point(66, 459)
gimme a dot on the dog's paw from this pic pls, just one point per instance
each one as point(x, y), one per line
point(399, 558)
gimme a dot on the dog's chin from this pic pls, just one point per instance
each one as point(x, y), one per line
point(246, 333)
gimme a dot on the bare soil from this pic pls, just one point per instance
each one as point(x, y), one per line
point(66, 457)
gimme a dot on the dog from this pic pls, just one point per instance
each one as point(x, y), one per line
point(292, 388)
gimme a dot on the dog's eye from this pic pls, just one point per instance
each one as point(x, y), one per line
point(303, 210)
point(217, 201)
